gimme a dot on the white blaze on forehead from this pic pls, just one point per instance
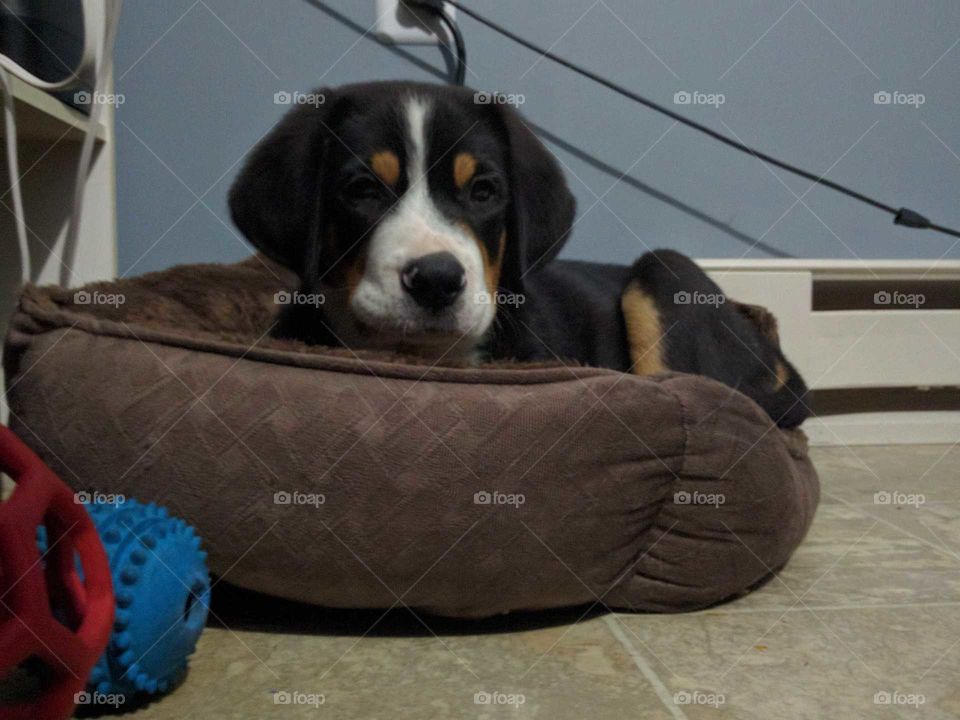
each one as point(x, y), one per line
point(417, 109)
point(415, 226)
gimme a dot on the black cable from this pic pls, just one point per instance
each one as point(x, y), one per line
point(461, 73)
point(435, 8)
point(903, 216)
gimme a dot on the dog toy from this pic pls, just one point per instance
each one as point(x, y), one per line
point(126, 585)
point(162, 593)
point(69, 645)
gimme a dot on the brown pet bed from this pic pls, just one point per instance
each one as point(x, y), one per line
point(461, 491)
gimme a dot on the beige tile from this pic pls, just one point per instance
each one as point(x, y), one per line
point(931, 522)
point(851, 558)
point(855, 474)
point(571, 670)
point(802, 664)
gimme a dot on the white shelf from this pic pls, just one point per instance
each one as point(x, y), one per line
point(41, 116)
point(49, 139)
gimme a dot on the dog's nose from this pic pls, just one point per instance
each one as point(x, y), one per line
point(434, 280)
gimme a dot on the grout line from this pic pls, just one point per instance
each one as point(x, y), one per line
point(648, 672)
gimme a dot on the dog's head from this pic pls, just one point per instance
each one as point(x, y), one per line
point(408, 206)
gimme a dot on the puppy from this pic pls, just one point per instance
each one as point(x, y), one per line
point(429, 222)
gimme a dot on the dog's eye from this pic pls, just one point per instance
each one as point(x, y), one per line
point(363, 188)
point(484, 190)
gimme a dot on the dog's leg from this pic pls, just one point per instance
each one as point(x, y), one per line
point(677, 318)
point(645, 332)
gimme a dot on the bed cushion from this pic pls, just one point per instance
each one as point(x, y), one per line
point(367, 480)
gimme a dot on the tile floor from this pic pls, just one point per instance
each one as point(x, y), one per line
point(868, 605)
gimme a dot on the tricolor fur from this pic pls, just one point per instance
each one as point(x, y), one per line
point(430, 222)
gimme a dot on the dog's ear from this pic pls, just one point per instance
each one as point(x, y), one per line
point(275, 200)
point(542, 206)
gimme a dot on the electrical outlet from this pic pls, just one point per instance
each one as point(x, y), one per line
point(400, 24)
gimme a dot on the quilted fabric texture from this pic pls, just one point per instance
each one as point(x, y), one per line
point(369, 481)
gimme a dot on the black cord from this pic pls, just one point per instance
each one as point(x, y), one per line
point(460, 76)
point(903, 216)
point(435, 8)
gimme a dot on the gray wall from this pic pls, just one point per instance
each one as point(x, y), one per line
point(802, 86)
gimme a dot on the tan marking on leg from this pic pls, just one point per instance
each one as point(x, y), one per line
point(464, 168)
point(386, 165)
point(644, 331)
point(781, 374)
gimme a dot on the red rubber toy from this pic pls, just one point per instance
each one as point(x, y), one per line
point(29, 588)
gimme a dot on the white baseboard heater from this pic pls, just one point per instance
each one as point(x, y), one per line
point(878, 341)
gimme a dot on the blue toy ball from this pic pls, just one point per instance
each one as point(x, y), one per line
point(162, 590)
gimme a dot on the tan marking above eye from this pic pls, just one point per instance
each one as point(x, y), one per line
point(464, 168)
point(386, 165)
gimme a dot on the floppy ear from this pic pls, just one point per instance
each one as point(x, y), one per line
point(542, 206)
point(275, 200)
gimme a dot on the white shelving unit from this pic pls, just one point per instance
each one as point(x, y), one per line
point(49, 135)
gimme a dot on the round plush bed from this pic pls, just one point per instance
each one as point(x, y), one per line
point(366, 480)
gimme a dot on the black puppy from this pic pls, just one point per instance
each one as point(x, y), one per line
point(428, 220)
